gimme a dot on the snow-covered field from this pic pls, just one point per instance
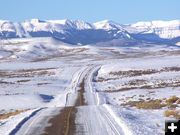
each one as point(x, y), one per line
point(134, 87)
point(134, 84)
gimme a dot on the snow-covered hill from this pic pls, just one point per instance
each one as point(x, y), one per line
point(160, 31)
point(165, 29)
point(80, 32)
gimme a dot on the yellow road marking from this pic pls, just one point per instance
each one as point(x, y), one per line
point(67, 125)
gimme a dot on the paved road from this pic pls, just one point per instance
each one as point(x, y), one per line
point(85, 117)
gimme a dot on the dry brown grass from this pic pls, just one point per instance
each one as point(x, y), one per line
point(9, 114)
point(131, 73)
point(178, 101)
point(142, 84)
point(172, 100)
point(168, 69)
point(170, 103)
point(152, 104)
point(43, 83)
point(172, 113)
point(26, 73)
point(101, 79)
point(25, 80)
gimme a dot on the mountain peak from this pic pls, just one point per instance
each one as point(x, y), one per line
point(82, 24)
point(78, 31)
point(70, 24)
point(164, 29)
point(63, 21)
point(108, 25)
point(157, 23)
point(35, 20)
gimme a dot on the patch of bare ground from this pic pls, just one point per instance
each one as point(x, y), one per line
point(9, 114)
point(22, 81)
point(172, 113)
point(6, 82)
point(132, 73)
point(171, 103)
point(26, 73)
point(101, 79)
point(172, 100)
point(151, 104)
point(9, 94)
point(143, 84)
point(137, 82)
point(42, 84)
point(170, 69)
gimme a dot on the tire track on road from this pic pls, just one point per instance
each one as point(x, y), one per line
point(65, 120)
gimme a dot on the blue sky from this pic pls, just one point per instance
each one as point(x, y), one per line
point(122, 11)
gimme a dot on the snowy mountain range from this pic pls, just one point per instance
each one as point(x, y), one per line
point(80, 32)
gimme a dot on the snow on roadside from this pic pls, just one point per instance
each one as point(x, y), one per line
point(122, 124)
point(141, 122)
point(7, 125)
point(20, 101)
